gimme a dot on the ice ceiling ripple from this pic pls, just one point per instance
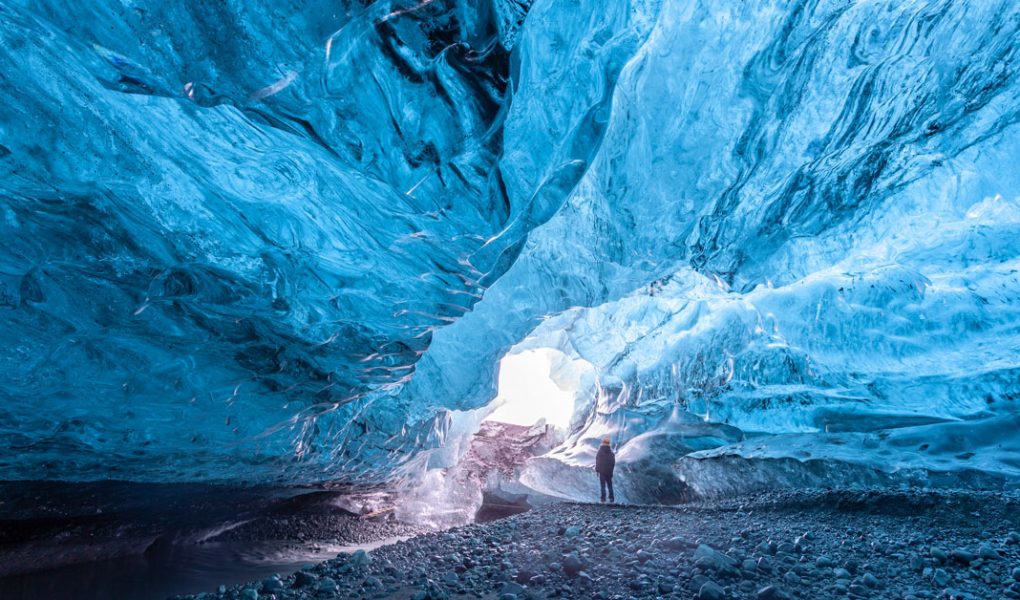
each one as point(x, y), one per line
point(243, 240)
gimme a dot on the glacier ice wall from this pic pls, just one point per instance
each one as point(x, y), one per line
point(245, 240)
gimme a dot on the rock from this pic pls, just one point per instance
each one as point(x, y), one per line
point(841, 573)
point(450, 578)
point(511, 588)
point(272, 584)
point(361, 559)
point(644, 556)
point(572, 531)
point(508, 597)
point(962, 556)
point(823, 562)
point(327, 586)
point(711, 591)
point(870, 580)
point(432, 592)
point(765, 564)
point(748, 565)
point(1016, 573)
point(939, 554)
point(676, 544)
point(303, 578)
point(988, 553)
point(572, 565)
point(249, 594)
point(1013, 538)
point(791, 578)
point(524, 576)
point(940, 577)
point(772, 592)
point(713, 558)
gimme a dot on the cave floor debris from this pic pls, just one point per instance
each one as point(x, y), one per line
point(806, 544)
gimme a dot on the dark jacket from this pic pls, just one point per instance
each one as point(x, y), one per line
point(605, 461)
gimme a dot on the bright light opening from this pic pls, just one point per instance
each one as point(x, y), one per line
point(528, 393)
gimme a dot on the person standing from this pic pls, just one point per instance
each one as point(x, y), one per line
point(605, 462)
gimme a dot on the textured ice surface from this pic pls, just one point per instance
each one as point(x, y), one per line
point(246, 240)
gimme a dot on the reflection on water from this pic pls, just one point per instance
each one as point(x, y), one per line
point(177, 570)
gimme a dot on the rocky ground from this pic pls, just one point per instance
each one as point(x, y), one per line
point(809, 544)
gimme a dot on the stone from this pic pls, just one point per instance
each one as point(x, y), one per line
point(511, 588)
point(841, 573)
point(711, 591)
point(713, 558)
point(771, 592)
point(823, 562)
point(361, 559)
point(572, 565)
point(939, 554)
point(327, 586)
point(303, 578)
point(1016, 573)
point(940, 577)
point(962, 556)
point(572, 531)
point(272, 584)
point(988, 553)
point(249, 594)
point(870, 580)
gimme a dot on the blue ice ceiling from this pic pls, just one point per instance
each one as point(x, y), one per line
point(257, 241)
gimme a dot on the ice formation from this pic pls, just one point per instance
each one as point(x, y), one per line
point(777, 241)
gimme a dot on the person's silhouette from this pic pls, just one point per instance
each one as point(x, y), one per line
point(605, 462)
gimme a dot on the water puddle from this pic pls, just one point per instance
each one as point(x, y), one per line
point(178, 570)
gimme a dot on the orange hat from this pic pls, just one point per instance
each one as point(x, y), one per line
point(605, 441)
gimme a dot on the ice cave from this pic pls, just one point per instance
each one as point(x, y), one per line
point(379, 299)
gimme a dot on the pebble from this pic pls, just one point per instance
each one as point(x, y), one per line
point(771, 592)
point(272, 584)
point(572, 565)
point(940, 577)
point(711, 591)
point(961, 556)
point(624, 554)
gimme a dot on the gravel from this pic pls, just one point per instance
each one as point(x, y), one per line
point(791, 545)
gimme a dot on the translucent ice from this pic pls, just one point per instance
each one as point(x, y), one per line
point(245, 241)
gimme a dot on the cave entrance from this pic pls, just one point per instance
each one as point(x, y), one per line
point(535, 386)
